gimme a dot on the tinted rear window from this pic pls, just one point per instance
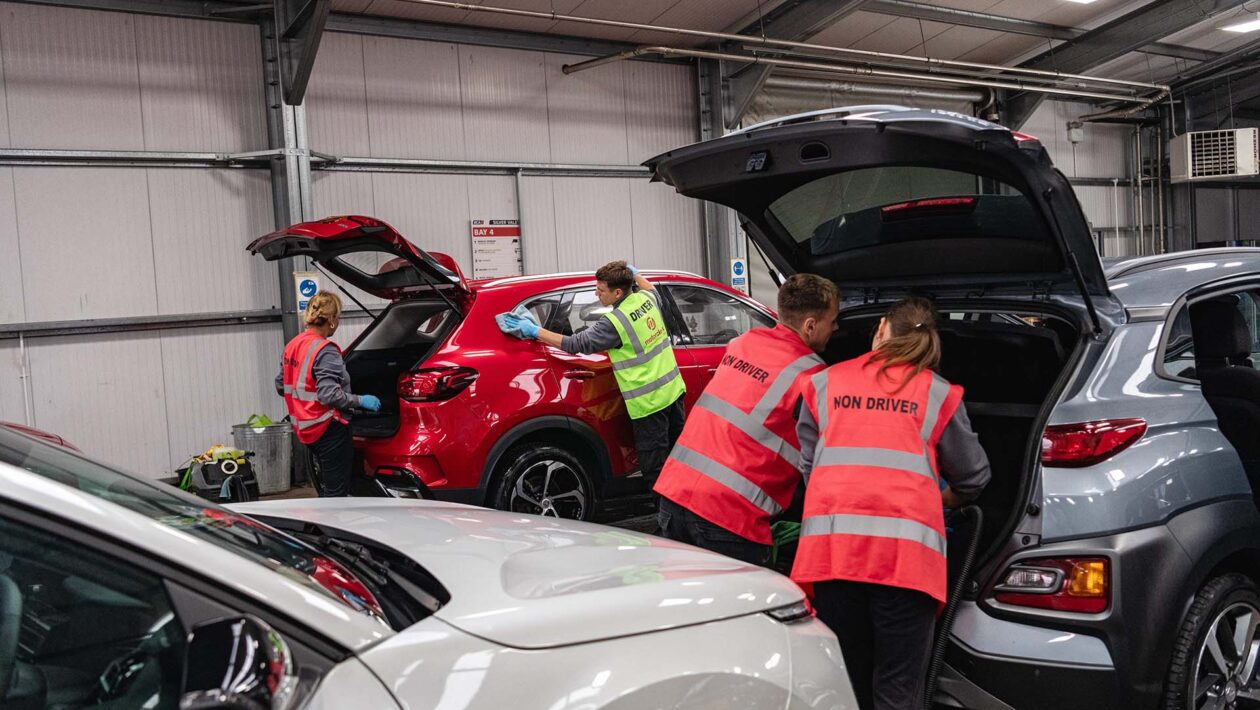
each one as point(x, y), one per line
point(886, 205)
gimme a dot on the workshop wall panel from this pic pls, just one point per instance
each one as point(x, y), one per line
point(201, 222)
point(664, 225)
point(214, 378)
point(593, 222)
point(349, 329)
point(57, 62)
point(86, 243)
point(12, 383)
point(587, 112)
point(335, 193)
point(660, 106)
point(201, 85)
point(1103, 150)
point(336, 97)
point(413, 94)
point(105, 395)
point(504, 97)
point(12, 298)
point(540, 251)
point(4, 101)
point(429, 210)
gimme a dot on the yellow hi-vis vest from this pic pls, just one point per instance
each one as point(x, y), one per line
point(644, 364)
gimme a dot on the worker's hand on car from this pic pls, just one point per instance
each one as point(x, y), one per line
point(524, 326)
point(370, 402)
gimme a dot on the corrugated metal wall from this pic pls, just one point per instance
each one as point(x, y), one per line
point(393, 98)
point(81, 243)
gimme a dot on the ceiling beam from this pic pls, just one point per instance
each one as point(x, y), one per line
point(1000, 23)
point(1128, 33)
point(793, 20)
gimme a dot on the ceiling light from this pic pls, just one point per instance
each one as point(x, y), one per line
point(1081, 2)
point(1249, 26)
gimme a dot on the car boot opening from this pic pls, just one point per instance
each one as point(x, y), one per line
point(401, 337)
point(1008, 364)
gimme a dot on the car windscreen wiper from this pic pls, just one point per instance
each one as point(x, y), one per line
point(379, 572)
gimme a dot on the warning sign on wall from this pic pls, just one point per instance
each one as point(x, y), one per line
point(496, 248)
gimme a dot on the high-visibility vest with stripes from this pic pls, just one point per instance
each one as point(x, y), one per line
point(873, 500)
point(644, 363)
point(310, 417)
point(736, 463)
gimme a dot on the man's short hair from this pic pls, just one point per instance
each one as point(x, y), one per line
point(616, 275)
point(805, 295)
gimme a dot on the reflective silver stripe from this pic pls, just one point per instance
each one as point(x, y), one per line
point(820, 388)
point(300, 392)
point(308, 423)
point(780, 386)
point(936, 400)
point(756, 430)
point(652, 386)
point(747, 490)
point(874, 526)
point(626, 326)
point(882, 458)
point(288, 389)
point(642, 358)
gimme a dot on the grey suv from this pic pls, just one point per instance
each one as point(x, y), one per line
point(1113, 561)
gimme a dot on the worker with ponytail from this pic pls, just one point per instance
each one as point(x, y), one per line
point(885, 441)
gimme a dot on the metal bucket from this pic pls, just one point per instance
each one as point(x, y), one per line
point(273, 451)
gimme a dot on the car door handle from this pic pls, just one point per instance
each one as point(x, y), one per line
point(579, 374)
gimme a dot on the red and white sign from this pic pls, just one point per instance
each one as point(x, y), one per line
point(496, 248)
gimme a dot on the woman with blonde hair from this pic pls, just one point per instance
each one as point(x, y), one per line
point(878, 434)
point(316, 387)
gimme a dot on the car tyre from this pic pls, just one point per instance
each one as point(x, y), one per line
point(540, 479)
point(1213, 664)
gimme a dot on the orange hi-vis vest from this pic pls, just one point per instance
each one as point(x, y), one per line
point(310, 416)
point(736, 462)
point(873, 501)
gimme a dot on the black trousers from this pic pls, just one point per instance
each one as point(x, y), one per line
point(654, 436)
point(678, 523)
point(334, 460)
point(886, 636)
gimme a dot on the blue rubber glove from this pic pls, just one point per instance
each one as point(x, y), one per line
point(527, 328)
point(370, 402)
point(633, 271)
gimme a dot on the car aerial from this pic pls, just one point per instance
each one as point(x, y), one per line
point(118, 592)
point(1119, 550)
point(472, 415)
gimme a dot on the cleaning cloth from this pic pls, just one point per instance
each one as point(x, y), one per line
point(520, 312)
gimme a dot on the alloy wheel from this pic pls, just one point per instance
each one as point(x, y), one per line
point(1225, 669)
point(550, 488)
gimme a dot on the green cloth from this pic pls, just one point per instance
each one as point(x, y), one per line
point(644, 363)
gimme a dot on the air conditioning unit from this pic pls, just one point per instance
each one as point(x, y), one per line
point(1215, 155)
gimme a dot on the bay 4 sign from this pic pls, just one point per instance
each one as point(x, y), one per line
point(496, 248)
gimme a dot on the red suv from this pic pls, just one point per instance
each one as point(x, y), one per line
point(472, 415)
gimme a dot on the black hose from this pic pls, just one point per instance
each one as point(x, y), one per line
point(946, 622)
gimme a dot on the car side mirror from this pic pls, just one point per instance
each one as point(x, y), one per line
point(239, 663)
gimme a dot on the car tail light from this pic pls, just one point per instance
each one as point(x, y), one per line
point(435, 384)
point(1087, 443)
point(1079, 584)
point(928, 207)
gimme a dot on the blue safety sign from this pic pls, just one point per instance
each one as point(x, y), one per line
point(306, 285)
point(739, 274)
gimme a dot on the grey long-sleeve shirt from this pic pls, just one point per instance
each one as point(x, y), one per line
point(332, 380)
point(599, 337)
point(959, 456)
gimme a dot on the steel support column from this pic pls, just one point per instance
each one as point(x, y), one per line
point(720, 223)
point(290, 169)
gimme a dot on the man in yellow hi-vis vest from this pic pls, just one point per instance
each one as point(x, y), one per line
point(633, 334)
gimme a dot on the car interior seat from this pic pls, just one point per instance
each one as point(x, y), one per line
point(21, 684)
point(1231, 386)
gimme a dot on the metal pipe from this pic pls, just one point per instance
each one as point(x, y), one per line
point(844, 87)
point(771, 41)
point(474, 167)
point(128, 158)
point(520, 219)
point(1159, 168)
point(863, 71)
point(1115, 210)
point(25, 375)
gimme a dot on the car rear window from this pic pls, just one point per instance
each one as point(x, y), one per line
point(875, 206)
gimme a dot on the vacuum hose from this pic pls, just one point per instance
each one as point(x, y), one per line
point(946, 623)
